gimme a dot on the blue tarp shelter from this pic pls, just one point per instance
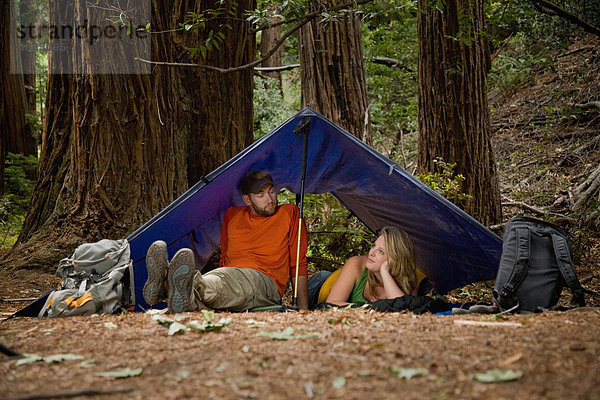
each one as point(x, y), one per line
point(452, 248)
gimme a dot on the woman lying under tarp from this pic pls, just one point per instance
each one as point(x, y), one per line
point(387, 279)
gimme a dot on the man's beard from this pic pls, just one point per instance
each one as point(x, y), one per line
point(267, 211)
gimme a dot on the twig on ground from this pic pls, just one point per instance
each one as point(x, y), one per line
point(497, 226)
point(594, 185)
point(352, 356)
point(75, 393)
point(525, 206)
point(536, 210)
point(487, 323)
point(593, 176)
point(588, 279)
point(13, 300)
point(587, 145)
point(578, 50)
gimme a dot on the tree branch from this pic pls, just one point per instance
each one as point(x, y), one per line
point(387, 61)
point(536, 210)
point(275, 69)
point(592, 184)
point(552, 9)
point(309, 17)
point(390, 62)
point(587, 106)
point(312, 15)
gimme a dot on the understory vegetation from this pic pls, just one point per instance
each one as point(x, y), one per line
point(19, 181)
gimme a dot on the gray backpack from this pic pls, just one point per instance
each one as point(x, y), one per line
point(92, 281)
point(535, 266)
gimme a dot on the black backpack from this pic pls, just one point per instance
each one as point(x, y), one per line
point(535, 266)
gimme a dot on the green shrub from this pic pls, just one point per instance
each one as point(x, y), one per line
point(269, 108)
point(445, 181)
point(335, 234)
point(19, 173)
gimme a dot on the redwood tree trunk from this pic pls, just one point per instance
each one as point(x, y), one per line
point(216, 109)
point(108, 158)
point(268, 38)
point(115, 146)
point(14, 129)
point(454, 121)
point(333, 79)
point(28, 60)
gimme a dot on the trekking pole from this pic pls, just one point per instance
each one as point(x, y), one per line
point(301, 128)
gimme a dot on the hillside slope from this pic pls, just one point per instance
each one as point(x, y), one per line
point(546, 132)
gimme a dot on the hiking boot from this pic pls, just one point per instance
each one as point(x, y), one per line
point(157, 264)
point(181, 278)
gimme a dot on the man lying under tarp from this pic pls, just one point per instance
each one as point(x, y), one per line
point(258, 255)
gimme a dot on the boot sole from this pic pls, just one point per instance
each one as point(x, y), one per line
point(181, 279)
point(156, 264)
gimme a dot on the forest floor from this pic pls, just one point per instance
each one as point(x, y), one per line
point(544, 148)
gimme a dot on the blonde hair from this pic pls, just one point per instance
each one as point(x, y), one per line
point(400, 253)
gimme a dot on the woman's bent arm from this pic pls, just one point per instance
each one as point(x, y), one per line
point(392, 290)
point(343, 286)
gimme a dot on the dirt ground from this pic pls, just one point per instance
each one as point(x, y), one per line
point(349, 354)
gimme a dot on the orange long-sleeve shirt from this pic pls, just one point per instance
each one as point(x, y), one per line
point(267, 244)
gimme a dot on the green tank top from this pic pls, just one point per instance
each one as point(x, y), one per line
point(359, 287)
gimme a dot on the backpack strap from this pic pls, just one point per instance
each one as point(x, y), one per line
point(507, 294)
point(565, 265)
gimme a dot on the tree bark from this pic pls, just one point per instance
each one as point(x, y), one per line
point(14, 129)
point(268, 39)
point(453, 115)
point(28, 60)
point(333, 79)
point(116, 148)
point(216, 109)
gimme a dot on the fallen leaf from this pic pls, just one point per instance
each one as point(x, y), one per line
point(253, 322)
point(210, 325)
point(286, 334)
point(222, 367)
point(29, 359)
point(121, 373)
point(155, 312)
point(87, 364)
point(56, 358)
point(308, 335)
point(339, 382)
point(177, 327)
point(409, 373)
point(161, 319)
point(181, 375)
point(308, 388)
point(341, 320)
point(110, 325)
point(497, 376)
